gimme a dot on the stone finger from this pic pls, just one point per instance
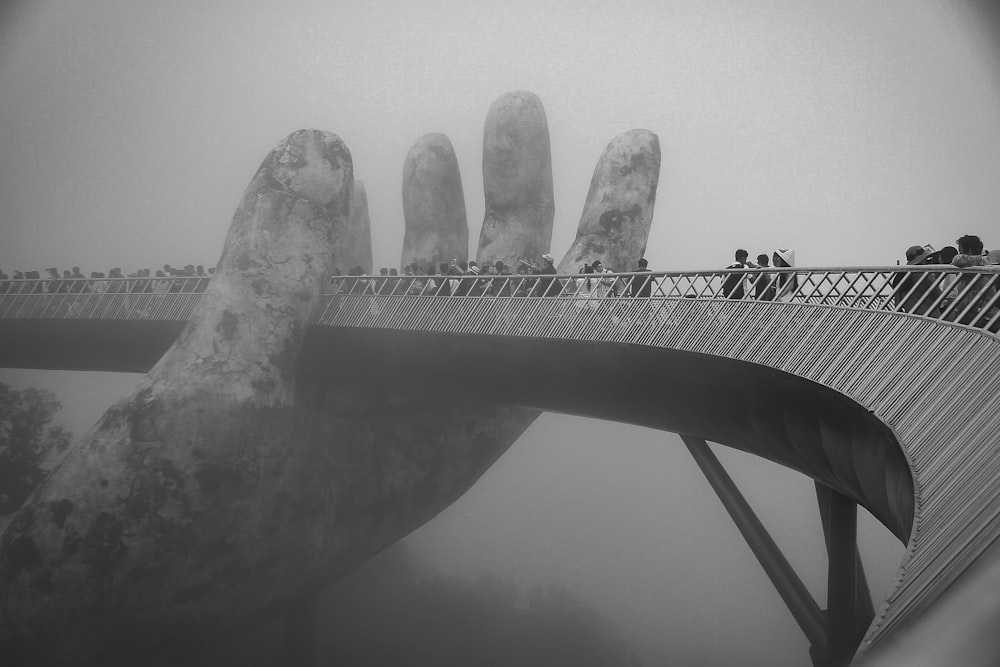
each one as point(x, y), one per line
point(618, 212)
point(517, 181)
point(433, 204)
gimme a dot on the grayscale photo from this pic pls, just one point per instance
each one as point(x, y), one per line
point(534, 333)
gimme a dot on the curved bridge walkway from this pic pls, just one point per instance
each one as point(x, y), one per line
point(915, 346)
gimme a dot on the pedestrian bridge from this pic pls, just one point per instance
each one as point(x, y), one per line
point(880, 384)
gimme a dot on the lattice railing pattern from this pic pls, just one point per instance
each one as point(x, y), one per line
point(966, 296)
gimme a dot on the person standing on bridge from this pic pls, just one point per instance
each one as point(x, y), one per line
point(641, 286)
point(733, 287)
point(547, 286)
point(787, 283)
point(764, 282)
point(603, 286)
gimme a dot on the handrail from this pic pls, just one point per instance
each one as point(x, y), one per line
point(968, 297)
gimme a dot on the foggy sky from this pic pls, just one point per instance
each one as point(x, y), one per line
point(848, 131)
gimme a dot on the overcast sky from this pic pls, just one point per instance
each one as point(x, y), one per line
point(846, 130)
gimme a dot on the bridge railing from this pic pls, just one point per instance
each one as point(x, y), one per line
point(969, 297)
point(172, 299)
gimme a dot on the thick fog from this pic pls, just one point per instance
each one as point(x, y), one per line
point(847, 131)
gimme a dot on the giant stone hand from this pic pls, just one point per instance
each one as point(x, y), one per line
point(238, 476)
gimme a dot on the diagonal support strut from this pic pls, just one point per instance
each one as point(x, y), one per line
point(791, 589)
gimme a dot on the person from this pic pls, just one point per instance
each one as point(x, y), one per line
point(583, 298)
point(358, 282)
point(463, 287)
point(546, 286)
point(787, 283)
point(79, 281)
point(477, 287)
point(97, 285)
point(54, 285)
point(395, 282)
point(455, 272)
point(382, 286)
point(603, 286)
point(443, 286)
point(162, 284)
point(763, 285)
point(641, 286)
point(917, 293)
point(202, 283)
point(499, 286)
point(970, 252)
point(733, 285)
point(116, 282)
point(976, 292)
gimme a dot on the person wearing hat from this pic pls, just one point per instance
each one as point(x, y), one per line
point(478, 287)
point(547, 286)
point(917, 292)
point(919, 254)
point(787, 283)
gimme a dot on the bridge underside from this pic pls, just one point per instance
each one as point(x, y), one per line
point(791, 421)
point(786, 419)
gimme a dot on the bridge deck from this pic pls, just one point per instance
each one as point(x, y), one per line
point(930, 379)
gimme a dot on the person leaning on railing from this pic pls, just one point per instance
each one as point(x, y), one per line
point(916, 292)
point(979, 289)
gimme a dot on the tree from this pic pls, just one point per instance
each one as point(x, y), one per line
point(27, 442)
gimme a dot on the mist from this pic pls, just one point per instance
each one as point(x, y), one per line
point(847, 131)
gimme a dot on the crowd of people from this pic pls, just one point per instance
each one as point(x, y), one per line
point(764, 285)
point(969, 298)
point(461, 278)
point(191, 278)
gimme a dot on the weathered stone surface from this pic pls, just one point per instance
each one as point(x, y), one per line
point(433, 204)
point(214, 494)
point(354, 247)
point(194, 500)
point(619, 207)
point(517, 181)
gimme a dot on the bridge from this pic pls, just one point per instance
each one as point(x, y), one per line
point(880, 384)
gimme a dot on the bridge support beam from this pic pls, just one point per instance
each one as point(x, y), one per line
point(849, 604)
point(791, 589)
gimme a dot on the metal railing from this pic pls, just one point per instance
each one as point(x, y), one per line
point(969, 297)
